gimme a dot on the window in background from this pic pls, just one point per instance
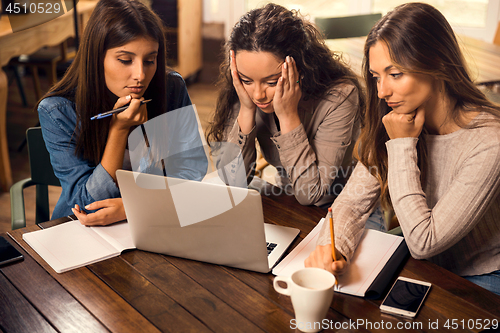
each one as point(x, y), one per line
point(474, 18)
point(463, 13)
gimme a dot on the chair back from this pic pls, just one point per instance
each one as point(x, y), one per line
point(39, 159)
point(42, 175)
point(347, 26)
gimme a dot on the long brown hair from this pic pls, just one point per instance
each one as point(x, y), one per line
point(420, 40)
point(281, 32)
point(113, 23)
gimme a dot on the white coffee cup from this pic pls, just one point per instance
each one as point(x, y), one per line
point(311, 291)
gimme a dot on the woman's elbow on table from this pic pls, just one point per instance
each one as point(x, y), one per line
point(307, 196)
point(304, 200)
point(421, 250)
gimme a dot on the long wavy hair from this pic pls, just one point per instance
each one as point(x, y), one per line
point(281, 32)
point(113, 23)
point(420, 40)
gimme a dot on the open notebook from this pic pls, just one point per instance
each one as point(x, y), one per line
point(71, 245)
point(376, 260)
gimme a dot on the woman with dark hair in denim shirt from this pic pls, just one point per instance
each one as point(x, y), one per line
point(121, 61)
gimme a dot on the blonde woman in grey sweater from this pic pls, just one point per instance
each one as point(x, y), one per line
point(429, 149)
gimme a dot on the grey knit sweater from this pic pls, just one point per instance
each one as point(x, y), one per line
point(454, 221)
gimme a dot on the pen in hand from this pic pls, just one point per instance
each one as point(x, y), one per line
point(330, 218)
point(332, 234)
point(109, 113)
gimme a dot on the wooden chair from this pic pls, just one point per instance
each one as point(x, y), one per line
point(347, 26)
point(42, 175)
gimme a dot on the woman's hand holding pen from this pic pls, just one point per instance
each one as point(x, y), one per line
point(404, 125)
point(135, 114)
point(321, 257)
point(287, 96)
point(118, 132)
point(107, 211)
point(246, 116)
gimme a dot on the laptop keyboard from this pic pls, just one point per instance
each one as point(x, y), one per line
point(270, 247)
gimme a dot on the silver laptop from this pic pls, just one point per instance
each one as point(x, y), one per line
point(201, 221)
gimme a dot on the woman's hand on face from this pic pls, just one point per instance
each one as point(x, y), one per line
point(404, 125)
point(246, 116)
point(321, 257)
point(108, 211)
point(246, 102)
point(287, 96)
point(135, 114)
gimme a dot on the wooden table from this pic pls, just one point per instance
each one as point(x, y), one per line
point(13, 44)
point(482, 58)
point(146, 292)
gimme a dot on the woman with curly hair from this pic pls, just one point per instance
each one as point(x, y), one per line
point(281, 85)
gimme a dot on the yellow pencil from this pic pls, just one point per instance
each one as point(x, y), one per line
point(332, 234)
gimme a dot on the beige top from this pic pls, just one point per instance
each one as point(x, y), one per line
point(311, 156)
point(454, 221)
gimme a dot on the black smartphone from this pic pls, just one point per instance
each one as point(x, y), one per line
point(8, 253)
point(405, 297)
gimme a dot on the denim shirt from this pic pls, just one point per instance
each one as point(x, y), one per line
point(83, 182)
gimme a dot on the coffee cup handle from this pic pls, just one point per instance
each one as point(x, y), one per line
point(284, 291)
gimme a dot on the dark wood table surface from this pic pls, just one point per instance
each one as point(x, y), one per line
point(147, 292)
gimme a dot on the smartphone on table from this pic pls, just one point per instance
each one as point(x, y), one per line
point(405, 297)
point(8, 253)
